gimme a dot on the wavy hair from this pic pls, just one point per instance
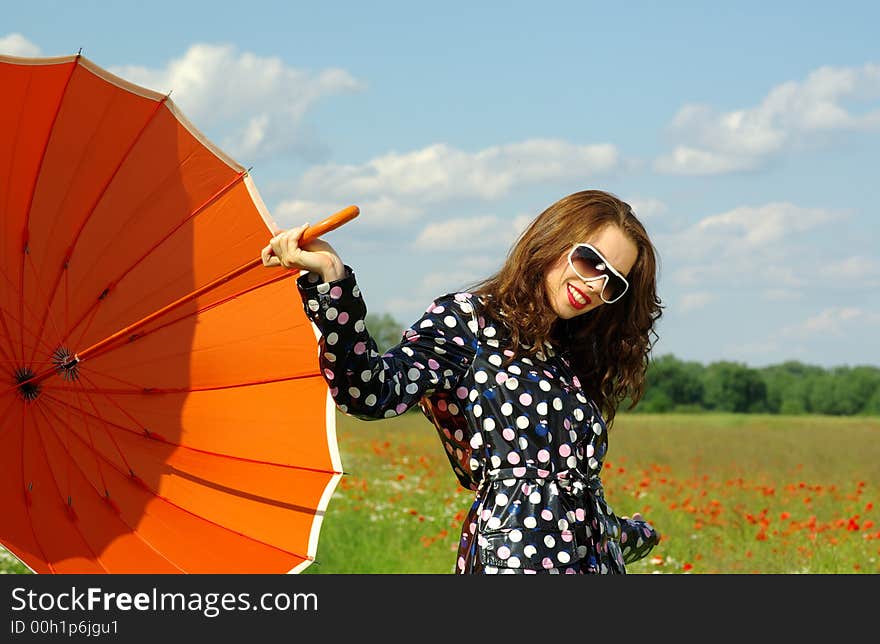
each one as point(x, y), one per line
point(609, 346)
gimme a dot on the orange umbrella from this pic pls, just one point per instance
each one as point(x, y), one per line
point(162, 410)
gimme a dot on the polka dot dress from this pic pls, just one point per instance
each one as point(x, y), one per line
point(521, 433)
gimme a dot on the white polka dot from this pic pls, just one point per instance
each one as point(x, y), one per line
point(515, 535)
point(313, 305)
point(507, 409)
point(557, 404)
point(323, 288)
point(354, 392)
point(535, 497)
point(530, 522)
point(330, 357)
point(501, 499)
point(359, 326)
point(541, 408)
point(366, 375)
point(578, 414)
point(449, 321)
point(513, 562)
point(489, 424)
point(478, 411)
point(544, 385)
point(495, 359)
point(481, 376)
point(489, 332)
point(522, 422)
point(331, 313)
point(476, 441)
point(413, 374)
point(597, 428)
point(563, 557)
point(494, 523)
point(370, 400)
point(530, 550)
point(412, 388)
point(511, 383)
point(514, 369)
point(332, 338)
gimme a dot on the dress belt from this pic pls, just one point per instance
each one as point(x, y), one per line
point(572, 481)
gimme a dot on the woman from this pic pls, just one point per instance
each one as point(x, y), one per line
point(521, 375)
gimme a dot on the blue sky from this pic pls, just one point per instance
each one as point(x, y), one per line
point(745, 135)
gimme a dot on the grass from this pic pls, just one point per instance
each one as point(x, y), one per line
point(729, 493)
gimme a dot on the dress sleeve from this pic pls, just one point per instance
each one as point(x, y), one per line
point(432, 355)
point(637, 539)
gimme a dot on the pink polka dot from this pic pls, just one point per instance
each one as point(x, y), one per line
point(548, 374)
point(564, 450)
point(566, 423)
point(342, 318)
point(513, 458)
point(336, 292)
point(546, 514)
point(330, 375)
point(400, 408)
point(567, 536)
point(543, 473)
point(623, 537)
point(590, 450)
point(500, 377)
point(334, 391)
point(503, 552)
point(547, 562)
point(508, 434)
point(519, 471)
point(486, 514)
point(461, 392)
point(525, 399)
point(459, 341)
point(433, 364)
point(508, 353)
point(576, 382)
point(580, 514)
point(360, 347)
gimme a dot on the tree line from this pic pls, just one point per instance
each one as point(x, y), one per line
point(674, 385)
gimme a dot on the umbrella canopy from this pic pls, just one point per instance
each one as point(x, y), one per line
point(161, 409)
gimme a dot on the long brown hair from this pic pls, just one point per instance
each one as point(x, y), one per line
point(609, 346)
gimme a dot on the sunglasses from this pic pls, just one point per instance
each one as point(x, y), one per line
point(589, 264)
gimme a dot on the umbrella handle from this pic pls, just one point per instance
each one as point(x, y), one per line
point(333, 221)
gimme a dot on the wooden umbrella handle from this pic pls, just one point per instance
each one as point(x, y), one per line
point(333, 221)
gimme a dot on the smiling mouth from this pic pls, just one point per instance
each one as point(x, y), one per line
point(578, 299)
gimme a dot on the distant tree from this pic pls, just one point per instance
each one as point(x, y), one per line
point(680, 382)
point(788, 386)
point(731, 386)
point(386, 331)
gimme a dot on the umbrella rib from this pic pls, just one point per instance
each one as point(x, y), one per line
point(21, 325)
point(132, 476)
point(39, 333)
point(28, 499)
point(113, 284)
point(66, 260)
point(26, 231)
point(145, 433)
point(73, 518)
point(106, 497)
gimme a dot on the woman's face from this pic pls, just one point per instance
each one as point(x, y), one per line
point(571, 296)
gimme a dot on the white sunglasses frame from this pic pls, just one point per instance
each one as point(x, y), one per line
point(599, 277)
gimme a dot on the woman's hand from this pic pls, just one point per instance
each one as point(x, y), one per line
point(317, 256)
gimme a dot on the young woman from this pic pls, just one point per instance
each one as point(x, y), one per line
point(521, 375)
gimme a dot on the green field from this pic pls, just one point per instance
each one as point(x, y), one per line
point(730, 493)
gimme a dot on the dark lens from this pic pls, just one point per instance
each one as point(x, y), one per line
point(586, 262)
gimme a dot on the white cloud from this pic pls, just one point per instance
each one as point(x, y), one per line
point(646, 208)
point(713, 142)
point(18, 45)
point(380, 212)
point(261, 101)
point(440, 172)
point(695, 301)
point(834, 321)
